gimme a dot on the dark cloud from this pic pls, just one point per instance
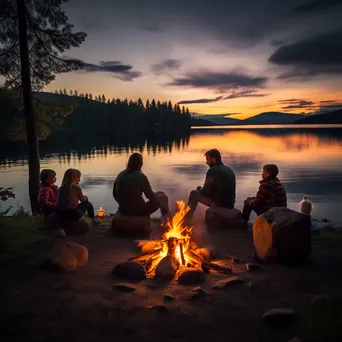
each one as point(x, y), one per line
point(201, 100)
point(218, 81)
point(166, 66)
point(150, 27)
point(310, 57)
point(316, 6)
point(296, 104)
point(245, 93)
point(313, 107)
point(119, 70)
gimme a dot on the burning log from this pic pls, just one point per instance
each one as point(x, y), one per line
point(182, 253)
point(147, 255)
point(210, 265)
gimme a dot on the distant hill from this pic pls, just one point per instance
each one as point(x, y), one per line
point(219, 119)
point(334, 117)
point(272, 118)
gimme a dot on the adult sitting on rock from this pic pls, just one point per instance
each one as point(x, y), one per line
point(129, 186)
point(271, 194)
point(219, 187)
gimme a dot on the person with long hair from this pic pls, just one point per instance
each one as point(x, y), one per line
point(71, 203)
point(129, 186)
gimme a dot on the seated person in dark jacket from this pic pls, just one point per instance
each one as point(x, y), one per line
point(219, 186)
point(271, 194)
point(129, 186)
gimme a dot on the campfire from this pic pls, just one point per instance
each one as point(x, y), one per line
point(175, 251)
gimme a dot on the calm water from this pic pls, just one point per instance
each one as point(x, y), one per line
point(309, 160)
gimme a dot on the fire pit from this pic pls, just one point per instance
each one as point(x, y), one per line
point(175, 251)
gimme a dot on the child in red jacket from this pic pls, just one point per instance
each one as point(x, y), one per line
point(47, 196)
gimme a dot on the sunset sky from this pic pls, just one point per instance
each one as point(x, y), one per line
point(238, 57)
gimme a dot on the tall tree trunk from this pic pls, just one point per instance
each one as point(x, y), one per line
point(31, 134)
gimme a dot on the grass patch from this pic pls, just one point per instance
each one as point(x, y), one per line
point(333, 237)
point(20, 236)
point(322, 322)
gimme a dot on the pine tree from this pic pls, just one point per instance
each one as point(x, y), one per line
point(148, 105)
point(153, 104)
point(183, 110)
point(86, 95)
point(76, 93)
point(60, 92)
point(187, 111)
point(32, 35)
point(64, 92)
point(70, 92)
point(103, 99)
point(90, 96)
point(56, 92)
point(169, 107)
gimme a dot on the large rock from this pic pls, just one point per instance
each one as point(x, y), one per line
point(130, 270)
point(69, 256)
point(282, 235)
point(167, 268)
point(223, 218)
point(190, 276)
point(134, 227)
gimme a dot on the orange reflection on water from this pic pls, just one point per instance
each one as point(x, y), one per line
point(294, 146)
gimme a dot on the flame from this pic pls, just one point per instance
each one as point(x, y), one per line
point(175, 228)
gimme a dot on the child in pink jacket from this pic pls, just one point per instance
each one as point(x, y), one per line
point(47, 196)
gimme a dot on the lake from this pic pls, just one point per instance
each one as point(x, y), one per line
point(309, 159)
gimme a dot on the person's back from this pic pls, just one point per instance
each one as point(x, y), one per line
point(275, 193)
point(128, 189)
point(68, 197)
point(223, 189)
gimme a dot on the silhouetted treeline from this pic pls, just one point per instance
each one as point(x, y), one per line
point(98, 111)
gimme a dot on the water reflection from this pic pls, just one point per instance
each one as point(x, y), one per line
point(309, 162)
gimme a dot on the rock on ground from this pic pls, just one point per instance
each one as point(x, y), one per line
point(130, 270)
point(68, 256)
point(197, 293)
point(123, 287)
point(221, 284)
point(168, 298)
point(167, 268)
point(190, 276)
point(159, 308)
point(279, 316)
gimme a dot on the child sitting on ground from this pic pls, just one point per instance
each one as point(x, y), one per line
point(69, 196)
point(47, 197)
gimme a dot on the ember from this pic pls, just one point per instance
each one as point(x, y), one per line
point(176, 249)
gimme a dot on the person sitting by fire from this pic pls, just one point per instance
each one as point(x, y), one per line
point(219, 187)
point(271, 194)
point(129, 186)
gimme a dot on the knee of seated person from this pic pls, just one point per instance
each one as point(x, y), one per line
point(194, 194)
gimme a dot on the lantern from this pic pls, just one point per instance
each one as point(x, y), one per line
point(100, 213)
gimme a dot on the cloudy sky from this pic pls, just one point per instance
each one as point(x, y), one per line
point(238, 57)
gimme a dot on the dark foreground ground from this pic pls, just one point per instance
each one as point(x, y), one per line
point(42, 305)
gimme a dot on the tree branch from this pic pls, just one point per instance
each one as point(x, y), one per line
point(11, 48)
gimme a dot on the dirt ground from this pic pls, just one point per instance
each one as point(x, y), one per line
point(42, 305)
